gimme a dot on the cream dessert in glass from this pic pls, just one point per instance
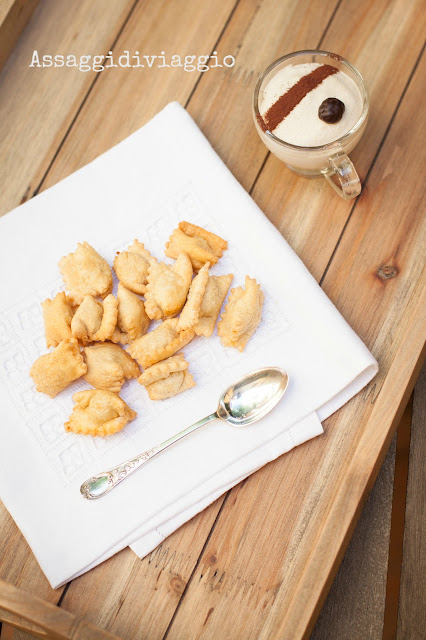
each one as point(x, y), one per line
point(310, 109)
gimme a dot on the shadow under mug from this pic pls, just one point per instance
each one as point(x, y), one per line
point(329, 160)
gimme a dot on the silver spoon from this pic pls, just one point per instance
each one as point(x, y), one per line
point(244, 402)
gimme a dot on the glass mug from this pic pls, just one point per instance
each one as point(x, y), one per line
point(329, 160)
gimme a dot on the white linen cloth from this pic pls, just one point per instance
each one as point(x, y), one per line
point(141, 188)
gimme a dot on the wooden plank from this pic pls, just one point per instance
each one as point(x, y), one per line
point(321, 485)
point(355, 606)
point(25, 611)
point(134, 96)
point(14, 16)
point(37, 105)
point(411, 614)
point(142, 594)
point(306, 210)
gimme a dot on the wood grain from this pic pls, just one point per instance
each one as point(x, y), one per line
point(41, 619)
point(37, 105)
point(411, 614)
point(14, 16)
point(143, 593)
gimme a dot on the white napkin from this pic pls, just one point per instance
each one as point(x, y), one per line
point(163, 173)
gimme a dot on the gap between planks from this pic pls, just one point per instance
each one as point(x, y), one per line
point(393, 581)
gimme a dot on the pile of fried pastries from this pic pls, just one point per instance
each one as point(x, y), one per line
point(87, 325)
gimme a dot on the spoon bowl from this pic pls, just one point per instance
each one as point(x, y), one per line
point(252, 396)
point(241, 404)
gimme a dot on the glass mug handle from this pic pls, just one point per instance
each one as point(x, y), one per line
point(346, 182)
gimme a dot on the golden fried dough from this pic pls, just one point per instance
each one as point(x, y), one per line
point(57, 314)
point(242, 315)
point(91, 316)
point(56, 370)
point(98, 413)
point(191, 311)
point(167, 287)
point(109, 319)
point(133, 321)
point(87, 320)
point(131, 267)
point(167, 378)
point(202, 246)
point(162, 369)
point(85, 272)
point(95, 320)
point(172, 385)
point(214, 295)
point(108, 366)
point(159, 344)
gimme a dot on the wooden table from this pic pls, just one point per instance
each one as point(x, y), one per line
point(259, 562)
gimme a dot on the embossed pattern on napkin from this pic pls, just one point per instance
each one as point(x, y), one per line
point(22, 340)
point(163, 173)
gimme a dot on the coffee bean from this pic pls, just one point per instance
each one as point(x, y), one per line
point(331, 110)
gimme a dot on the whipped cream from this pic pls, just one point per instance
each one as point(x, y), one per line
point(302, 126)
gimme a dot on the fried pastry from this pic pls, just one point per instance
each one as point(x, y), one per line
point(202, 246)
point(191, 311)
point(57, 314)
point(242, 315)
point(109, 319)
point(108, 366)
point(131, 267)
point(85, 272)
point(95, 320)
point(87, 320)
point(167, 287)
point(167, 378)
point(132, 320)
point(214, 295)
point(159, 344)
point(162, 369)
point(56, 370)
point(98, 413)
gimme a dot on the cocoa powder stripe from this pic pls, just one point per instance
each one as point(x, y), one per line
point(286, 103)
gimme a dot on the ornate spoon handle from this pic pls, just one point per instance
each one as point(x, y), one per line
point(100, 484)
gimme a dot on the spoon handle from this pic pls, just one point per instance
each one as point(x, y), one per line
point(100, 484)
